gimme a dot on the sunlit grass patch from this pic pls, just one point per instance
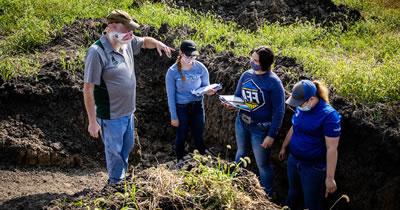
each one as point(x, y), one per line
point(19, 65)
point(361, 62)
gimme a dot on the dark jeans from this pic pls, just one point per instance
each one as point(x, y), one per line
point(191, 117)
point(308, 180)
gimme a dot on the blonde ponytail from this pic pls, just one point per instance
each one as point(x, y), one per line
point(322, 90)
point(179, 64)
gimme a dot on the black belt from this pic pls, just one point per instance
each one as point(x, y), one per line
point(247, 120)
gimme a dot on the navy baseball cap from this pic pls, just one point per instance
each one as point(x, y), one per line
point(188, 47)
point(301, 92)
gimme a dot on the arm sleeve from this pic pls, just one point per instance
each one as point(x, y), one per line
point(93, 67)
point(238, 91)
point(331, 125)
point(205, 80)
point(171, 91)
point(278, 109)
point(137, 44)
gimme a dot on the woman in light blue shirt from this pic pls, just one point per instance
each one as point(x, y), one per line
point(186, 109)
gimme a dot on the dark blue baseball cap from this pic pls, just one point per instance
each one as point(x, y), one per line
point(301, 92)
point(189, 48)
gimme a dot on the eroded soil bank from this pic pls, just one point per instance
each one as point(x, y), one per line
point(43, 122)
point(253, 14)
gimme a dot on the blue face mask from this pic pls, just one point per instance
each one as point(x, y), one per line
point(255, 66)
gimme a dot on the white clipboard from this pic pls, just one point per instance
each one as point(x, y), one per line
point(234, 101)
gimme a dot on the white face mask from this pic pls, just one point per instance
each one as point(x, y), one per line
point(305, 108)
point(118, 36)
point(188, 60)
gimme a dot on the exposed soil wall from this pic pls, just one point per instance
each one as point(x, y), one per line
point(252, 14)
point(42, 122)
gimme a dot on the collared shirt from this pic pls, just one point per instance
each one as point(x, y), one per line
point(310, 129)
point(113, 74)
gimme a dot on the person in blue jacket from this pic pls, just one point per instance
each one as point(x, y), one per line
point(256, 129)
point(312, 143)
point(186, 109)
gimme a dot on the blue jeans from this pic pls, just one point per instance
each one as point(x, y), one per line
point(305, 179)
point(191, 117)
point(118, 138)
point(251, 137)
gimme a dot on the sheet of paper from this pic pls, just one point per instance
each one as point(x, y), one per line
point(203, 90)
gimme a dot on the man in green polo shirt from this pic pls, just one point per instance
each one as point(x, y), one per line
point(110, 88)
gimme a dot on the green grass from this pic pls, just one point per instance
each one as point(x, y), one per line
point(27, 24)
point(361, 64)
point(72, 62)
point(11, 67)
